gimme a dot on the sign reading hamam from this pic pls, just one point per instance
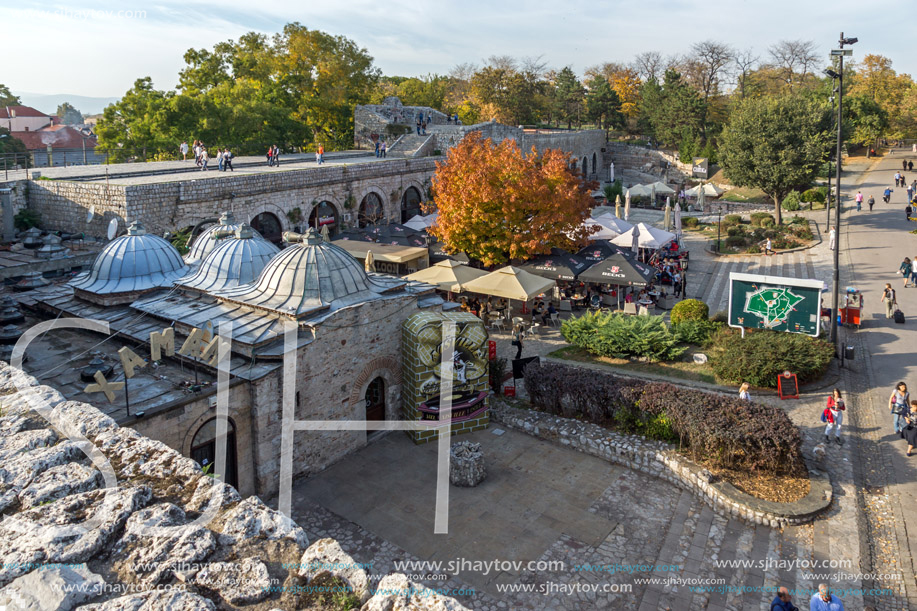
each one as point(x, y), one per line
point(201, 343)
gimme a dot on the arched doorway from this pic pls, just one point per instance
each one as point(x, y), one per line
point(375, 399)
point(410, 204)
point(595, 167)
point(573, 165)
point(325, 214)
point(204, 449)
point(585, 166)
point(269, 227)
point(371, 210)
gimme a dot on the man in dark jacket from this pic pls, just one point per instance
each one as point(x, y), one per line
point(783, 601)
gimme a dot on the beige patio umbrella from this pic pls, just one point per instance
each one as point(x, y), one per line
point(510, 283)
point(668, 215)
point(326, 235)
point(618, 205)
point(627, 205)
point(370, 264)
point(450, 276)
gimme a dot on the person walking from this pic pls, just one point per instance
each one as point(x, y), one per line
point(227, 160)
point(197, 153)
point(905, 270)
point(888, 194)
point(183, 149)
point(904, 164)
point(220, 160)
point(871, 202)
point(321, 154)
point(909, 432)
point(897, 405)
point(832, 239)
point(783, 601)
point(834, 416)
point(767, 248)
point(743, 392)
point(518, 333)
point(377, 147)
point(910, 166)
point(276, 155)
point(205, 157)
point(859, 201)
point(907, 211)
point(384, 148)
point(888, 296)
point(897, 179)
point(270, 156)
point(824, 600)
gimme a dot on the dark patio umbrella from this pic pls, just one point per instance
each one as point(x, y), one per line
point(357, 235)
point(619, 269)
point(416, 240)
point(438, 254)
point(598, 251)
point(393, 230)
point(559, 265)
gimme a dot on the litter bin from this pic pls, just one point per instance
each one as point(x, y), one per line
point(848, 353)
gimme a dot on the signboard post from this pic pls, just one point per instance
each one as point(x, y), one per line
point(792, 305)
point(700, 168)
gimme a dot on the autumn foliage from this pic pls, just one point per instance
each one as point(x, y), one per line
point(497, 205)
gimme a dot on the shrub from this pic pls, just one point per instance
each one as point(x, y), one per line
point(612, 191)
point(757, 218)
point(732, 219)
point(727, 431)
point(758, 233)
point(697, 332)
point(620, 336)
point(814, 195)
point(791, 201)
point(690, 221)
point(734, 231)
point(26, 219)
point(754, 249)
point(762, 355)
point(689, 309)
point(771, 222)
point(497, 369)
point(735, 241)
point(721, 316)
point(181, 240)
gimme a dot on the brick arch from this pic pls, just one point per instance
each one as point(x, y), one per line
point(335, 201)
point(386, 204)
point(389, 369)
point(252, 211)
point(197, 423)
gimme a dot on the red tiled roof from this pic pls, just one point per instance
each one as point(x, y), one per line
point(21, 111)
point(59, 136)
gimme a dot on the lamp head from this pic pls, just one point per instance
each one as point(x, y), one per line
point(831, 73)
point(849, 41)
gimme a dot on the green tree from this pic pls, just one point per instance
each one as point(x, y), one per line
point(69, 115)
point(7, 98)
point(568, 98)
point(775, 144)
point(12, 149)
point(503, 91)
point(603, 106)
point(135, 126)
point(865, 120)
point(673, 111)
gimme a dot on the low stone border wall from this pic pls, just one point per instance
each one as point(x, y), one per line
point(658, 459)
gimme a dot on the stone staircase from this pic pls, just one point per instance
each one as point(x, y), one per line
point(411, 145)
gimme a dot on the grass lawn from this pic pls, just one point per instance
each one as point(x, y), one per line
point(683, 370)
point(747, 195)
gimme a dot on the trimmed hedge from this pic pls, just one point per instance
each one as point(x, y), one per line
point(690, 221)
point(791, 201)
point(757, 218)
point(621, 336)
point(726, 431)
point(762, 355)
point(689, 309)
point(697, 332)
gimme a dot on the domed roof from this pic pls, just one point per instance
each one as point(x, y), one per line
point(234, 261)
point(307, 277)
point(134, 262)
point(210, 237)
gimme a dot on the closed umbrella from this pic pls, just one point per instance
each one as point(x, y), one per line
point(668, 214)
point(653, 194)
point(627, 205)
point(618, 205)
point(635, 244)
point(370, 263)
point(677, 219)
point(701, 199)
point(326, 235)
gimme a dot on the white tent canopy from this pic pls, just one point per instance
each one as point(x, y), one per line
point(448, 275)
point(650, 237)
point(710, 190)
point(510, 283)
point(641, 191)
point(613, 223)
point(605, 233)
point(662, 188)
point(420, 222)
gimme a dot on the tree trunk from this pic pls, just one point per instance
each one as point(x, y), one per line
point(778, 212)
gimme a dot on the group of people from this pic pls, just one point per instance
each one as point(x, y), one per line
point(823, 600)
point(904, 415)
point(202, 156)
point(381, 147)
point(273, 155)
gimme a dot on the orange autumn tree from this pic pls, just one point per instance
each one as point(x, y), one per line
point(496, 205)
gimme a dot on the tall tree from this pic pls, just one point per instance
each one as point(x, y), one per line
point(775, 144)
point(674, 110)
point(709, 61)
point(603, 106)
point(135, 125)
point(866, 120)
point(649, 65)
point(569, 96)
point(793, 60)
point(69, 115)
point(876, 79)
point(504, 92)
point(744, 63)
point(7, 98)
point(497, 205)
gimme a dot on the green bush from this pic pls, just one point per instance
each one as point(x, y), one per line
point(814, 195)
point(754, 249)
point(613, 190)
point(798, 220)
point(791, 201)
point(697, 332)
point(758, 234)
point(689, 309)
point(762, 355)
point(26, 219)
point(769, 222)
point(621, 336)
point(690, 221)
point(181, 240)
point(735, 241)
point(721, 316)
point(736, 230)
point(497, 369)
point(757, 218)
point(732, 219)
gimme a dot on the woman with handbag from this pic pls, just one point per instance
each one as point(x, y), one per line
point(518, 333)
point(897, 404)
point(834, 414)
point(888, 296)
point(905, 270)
point(909, 433)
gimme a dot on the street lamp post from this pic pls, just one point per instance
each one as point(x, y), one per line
point(840, 53)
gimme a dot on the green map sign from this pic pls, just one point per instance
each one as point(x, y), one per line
point(774, 302)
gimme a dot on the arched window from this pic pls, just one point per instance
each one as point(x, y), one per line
point(268, 226)
point(410, 204)
point(375, 400)
point(585, 166)
point(371, 210)
point(325, 214)
point(595, 167)
point(204, 449)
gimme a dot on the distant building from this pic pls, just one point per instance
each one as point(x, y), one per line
point(24, 118)
point(60, 145)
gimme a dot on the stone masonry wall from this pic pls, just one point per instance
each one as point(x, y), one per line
point(645, 160)
point(19, 196)
point(99, 517)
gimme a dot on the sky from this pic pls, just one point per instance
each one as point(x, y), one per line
point(100, 47)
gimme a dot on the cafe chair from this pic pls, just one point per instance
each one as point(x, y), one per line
point(554, 321)
point(497, 322)
point(644, 311)
point(630, 308)
point(532, 331)
point(566, 306)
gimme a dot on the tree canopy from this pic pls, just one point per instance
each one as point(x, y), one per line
point(69, 115)
point(496, 204)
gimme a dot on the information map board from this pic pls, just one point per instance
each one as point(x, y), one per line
point(773, 302)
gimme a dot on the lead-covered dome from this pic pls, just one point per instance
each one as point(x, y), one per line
point(131, 264)
point(234, 261)
point(308, 277)
point(204, 244)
